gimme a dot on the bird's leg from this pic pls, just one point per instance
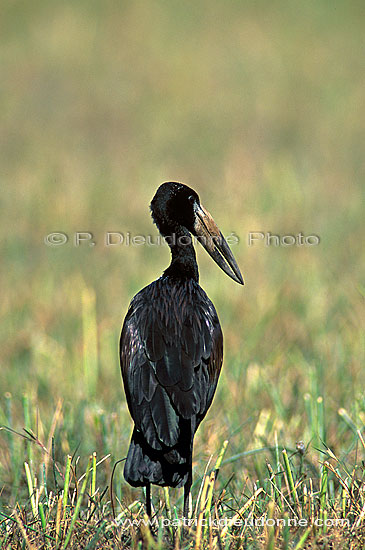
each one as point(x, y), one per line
point(148, 500)
point(187, 487)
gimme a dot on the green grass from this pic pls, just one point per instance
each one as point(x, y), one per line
point(259, 108)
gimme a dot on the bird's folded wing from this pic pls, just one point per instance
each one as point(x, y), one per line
point(171, 362)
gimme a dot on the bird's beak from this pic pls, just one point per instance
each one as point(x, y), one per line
point(215, 244)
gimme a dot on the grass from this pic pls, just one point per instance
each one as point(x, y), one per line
point(295, 502)
point(259, 109)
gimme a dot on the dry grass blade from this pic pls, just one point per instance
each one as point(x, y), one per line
point(78, 505)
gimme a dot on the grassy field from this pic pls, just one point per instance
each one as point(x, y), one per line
point(260, 108)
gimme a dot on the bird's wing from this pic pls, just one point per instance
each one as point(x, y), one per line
point(171, 351)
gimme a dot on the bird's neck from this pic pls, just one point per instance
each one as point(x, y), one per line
point(183, 259)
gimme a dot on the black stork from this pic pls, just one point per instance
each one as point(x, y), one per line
point(171, 347)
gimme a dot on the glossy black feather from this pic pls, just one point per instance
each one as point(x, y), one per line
point(171, 350)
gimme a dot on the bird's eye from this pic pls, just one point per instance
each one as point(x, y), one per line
point(191, 199)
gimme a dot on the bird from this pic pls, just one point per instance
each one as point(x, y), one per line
point(171, 347)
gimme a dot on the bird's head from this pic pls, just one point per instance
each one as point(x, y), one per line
point(176, 206)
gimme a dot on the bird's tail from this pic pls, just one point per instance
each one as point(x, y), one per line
point(165, 467)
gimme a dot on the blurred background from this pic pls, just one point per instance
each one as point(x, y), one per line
point(257, 106)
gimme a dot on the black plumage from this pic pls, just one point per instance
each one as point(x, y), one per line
point(171, 347)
